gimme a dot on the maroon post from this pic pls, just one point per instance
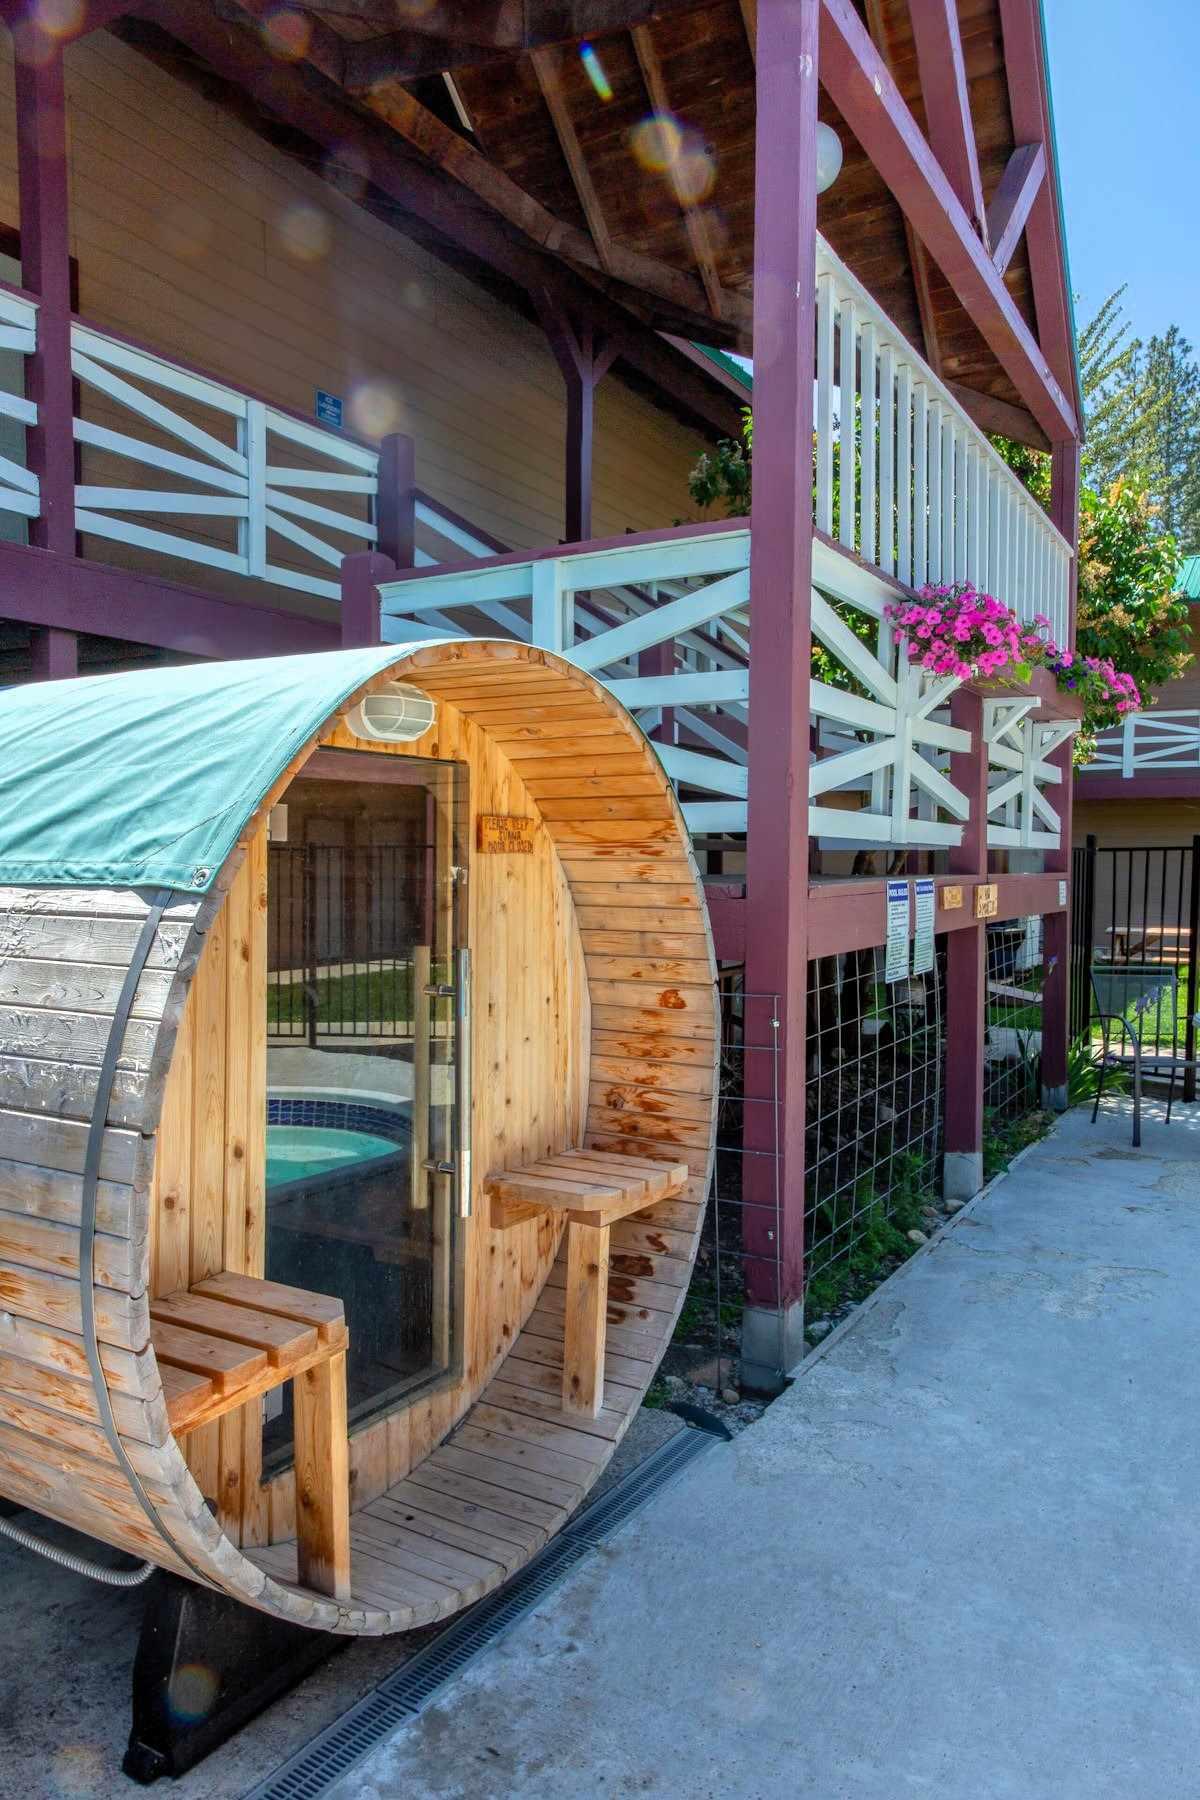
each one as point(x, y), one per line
point(396, 507)
point(46, 271)
point(785, 217)
point(584, 357)
point(966, 966)
point(361, 576)
point(1056, 946)
point(659, 659)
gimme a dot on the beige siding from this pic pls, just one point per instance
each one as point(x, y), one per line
point(200, 240)
point(1118, 824)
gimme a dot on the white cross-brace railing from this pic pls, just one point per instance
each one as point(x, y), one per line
point(883, 740)
point(935, 501)
point(1020, 817)
point(249, 484)
point(1161, 740)
point(19, 488)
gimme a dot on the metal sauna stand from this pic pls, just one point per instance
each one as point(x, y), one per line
point(205, 1665)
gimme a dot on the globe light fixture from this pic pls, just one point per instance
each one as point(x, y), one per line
point(829, 156)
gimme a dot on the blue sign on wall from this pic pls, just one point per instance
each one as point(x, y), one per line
point(329, 409)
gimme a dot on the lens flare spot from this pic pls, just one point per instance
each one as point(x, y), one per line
point(58, 18)
point(185, 232)
point(192, 1691)
point(375, 409)
point(656, 142)
point(594, 70)
point(694, 172)
point(305, 232)
point(287, 34)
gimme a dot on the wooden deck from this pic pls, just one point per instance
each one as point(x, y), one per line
point(512, 1473)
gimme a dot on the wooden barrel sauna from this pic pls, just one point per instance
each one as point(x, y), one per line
point(159, 1027)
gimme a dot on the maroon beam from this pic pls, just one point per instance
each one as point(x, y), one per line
point(41, 588)
point(584, 357)
point(966, 966)
point(42, 176)
point(857, 80)
point(1056, 944)
point(360, 613)
point(948, 123)
point(844, 916)
point(1013, 201)
point(396, 503)
point(1029, 104)
point(785, 280)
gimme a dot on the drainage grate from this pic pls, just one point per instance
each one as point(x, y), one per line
point(326, 1758)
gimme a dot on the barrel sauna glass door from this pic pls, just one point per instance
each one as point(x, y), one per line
point(367, 1168)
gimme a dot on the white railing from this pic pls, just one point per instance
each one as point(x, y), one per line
point(252, 486)
point(1159, 740)
point(883, 739)
point(19, 489)
point(239, 485)
point(1020, 817)
point(935, 502)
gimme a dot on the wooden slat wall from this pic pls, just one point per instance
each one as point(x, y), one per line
point(200, 240)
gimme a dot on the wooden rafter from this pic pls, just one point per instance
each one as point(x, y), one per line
point(506, 24)
point(749, 10)
point(446, 150)
point(1013, 201)
point(1028, 103)
point(861, 87)
point(918, 262)
point(408, 55)
point(699, 237)
point(948, 123)
point(547, 67)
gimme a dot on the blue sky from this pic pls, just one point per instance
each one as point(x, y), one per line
point(1126, 81)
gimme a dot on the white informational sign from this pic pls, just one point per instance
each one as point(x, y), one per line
point(925, 910)
point(896, 964)
point(1062, 893)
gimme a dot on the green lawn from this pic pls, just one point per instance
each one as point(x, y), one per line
point(1161, 1023)
point(373, 995)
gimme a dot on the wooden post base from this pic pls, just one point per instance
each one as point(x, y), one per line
point(586, 1321)
point(323, 1479)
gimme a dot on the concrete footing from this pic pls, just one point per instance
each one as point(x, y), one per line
point(1055, 1099)
point(962, 1175)
point(772, 1345)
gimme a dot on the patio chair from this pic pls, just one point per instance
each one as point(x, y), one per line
point(1117, 990)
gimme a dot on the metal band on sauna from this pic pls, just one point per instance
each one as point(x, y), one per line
point(87, 1217)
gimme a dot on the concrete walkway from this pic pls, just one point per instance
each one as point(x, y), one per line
point(959, 1558)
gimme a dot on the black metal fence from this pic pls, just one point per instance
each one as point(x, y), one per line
point(1137, 913)
point(341, 926)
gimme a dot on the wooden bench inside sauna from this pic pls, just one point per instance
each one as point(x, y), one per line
point(358, 1046)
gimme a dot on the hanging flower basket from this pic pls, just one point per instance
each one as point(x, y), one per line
point(1053, 702)
point(977, 639)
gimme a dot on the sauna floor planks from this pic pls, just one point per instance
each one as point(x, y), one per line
point(482, 1503)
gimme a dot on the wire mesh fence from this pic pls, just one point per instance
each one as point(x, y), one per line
point(1013, 1036)
point(874, 1116)
point(874, 1138)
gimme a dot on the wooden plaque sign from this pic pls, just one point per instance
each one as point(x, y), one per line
point(951, 899)
point(987, 900)
point(502, 836)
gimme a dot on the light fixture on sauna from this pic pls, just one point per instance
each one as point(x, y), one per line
point(395, 714)
point(829, 156)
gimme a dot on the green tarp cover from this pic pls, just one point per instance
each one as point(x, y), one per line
point(146, 779)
